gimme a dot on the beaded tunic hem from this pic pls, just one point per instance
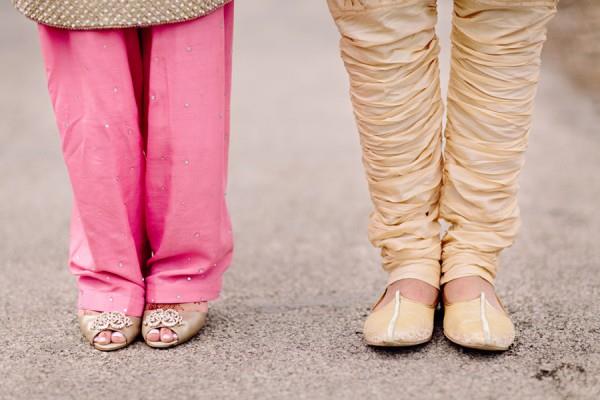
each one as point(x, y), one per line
point(106, 14)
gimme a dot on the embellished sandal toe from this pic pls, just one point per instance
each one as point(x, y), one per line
point(92, 325)
point(185, 324)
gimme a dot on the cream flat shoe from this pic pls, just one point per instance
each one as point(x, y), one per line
point(92, 325)
point(401, 322)
point(186, 324)
point(478, 325)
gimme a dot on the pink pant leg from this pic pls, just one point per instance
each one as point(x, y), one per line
point(94, 79)
point(187, 70)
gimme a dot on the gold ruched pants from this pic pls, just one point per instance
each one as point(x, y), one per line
point(390, 51)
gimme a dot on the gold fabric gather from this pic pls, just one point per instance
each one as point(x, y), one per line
point(103, 14)
point(390, 50)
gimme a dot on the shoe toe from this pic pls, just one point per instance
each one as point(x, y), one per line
point(411, 325)
point(463, 325)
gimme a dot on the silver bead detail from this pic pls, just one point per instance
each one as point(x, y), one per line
point(115, 13)
point(163, 318)
point(110, 320)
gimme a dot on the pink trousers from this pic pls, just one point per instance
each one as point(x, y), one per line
point(144, 121)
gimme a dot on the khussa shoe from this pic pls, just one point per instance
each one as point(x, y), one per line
point(92, 325)
point(477, 324)
point(401, 322)
point(185, 324)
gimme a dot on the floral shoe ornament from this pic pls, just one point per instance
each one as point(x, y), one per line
point(113, 321)
point(163, 318)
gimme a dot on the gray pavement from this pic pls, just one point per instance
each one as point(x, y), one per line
point(289, 322)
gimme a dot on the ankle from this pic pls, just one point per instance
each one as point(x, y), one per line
point(469, 288)
point(412, 289)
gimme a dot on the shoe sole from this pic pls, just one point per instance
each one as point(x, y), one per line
point(398, 344)
point(162, 345)
point(108, 347)
point(476, 346)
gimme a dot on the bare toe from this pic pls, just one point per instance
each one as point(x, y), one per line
point(103, 337)
point(166, 335)
point(153, 335)
point(117, 337)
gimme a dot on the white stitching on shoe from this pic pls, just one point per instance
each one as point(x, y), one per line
point(484, 321)
point(392, 323)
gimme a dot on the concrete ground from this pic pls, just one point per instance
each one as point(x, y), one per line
point(290, 318)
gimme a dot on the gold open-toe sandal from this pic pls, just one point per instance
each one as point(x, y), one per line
point(92, 324)
point(185, 324)
point(401, 322)
point(478, 325)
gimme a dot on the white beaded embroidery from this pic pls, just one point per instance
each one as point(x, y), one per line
point(163, 318)
point(94, 14)
point(110, 320)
